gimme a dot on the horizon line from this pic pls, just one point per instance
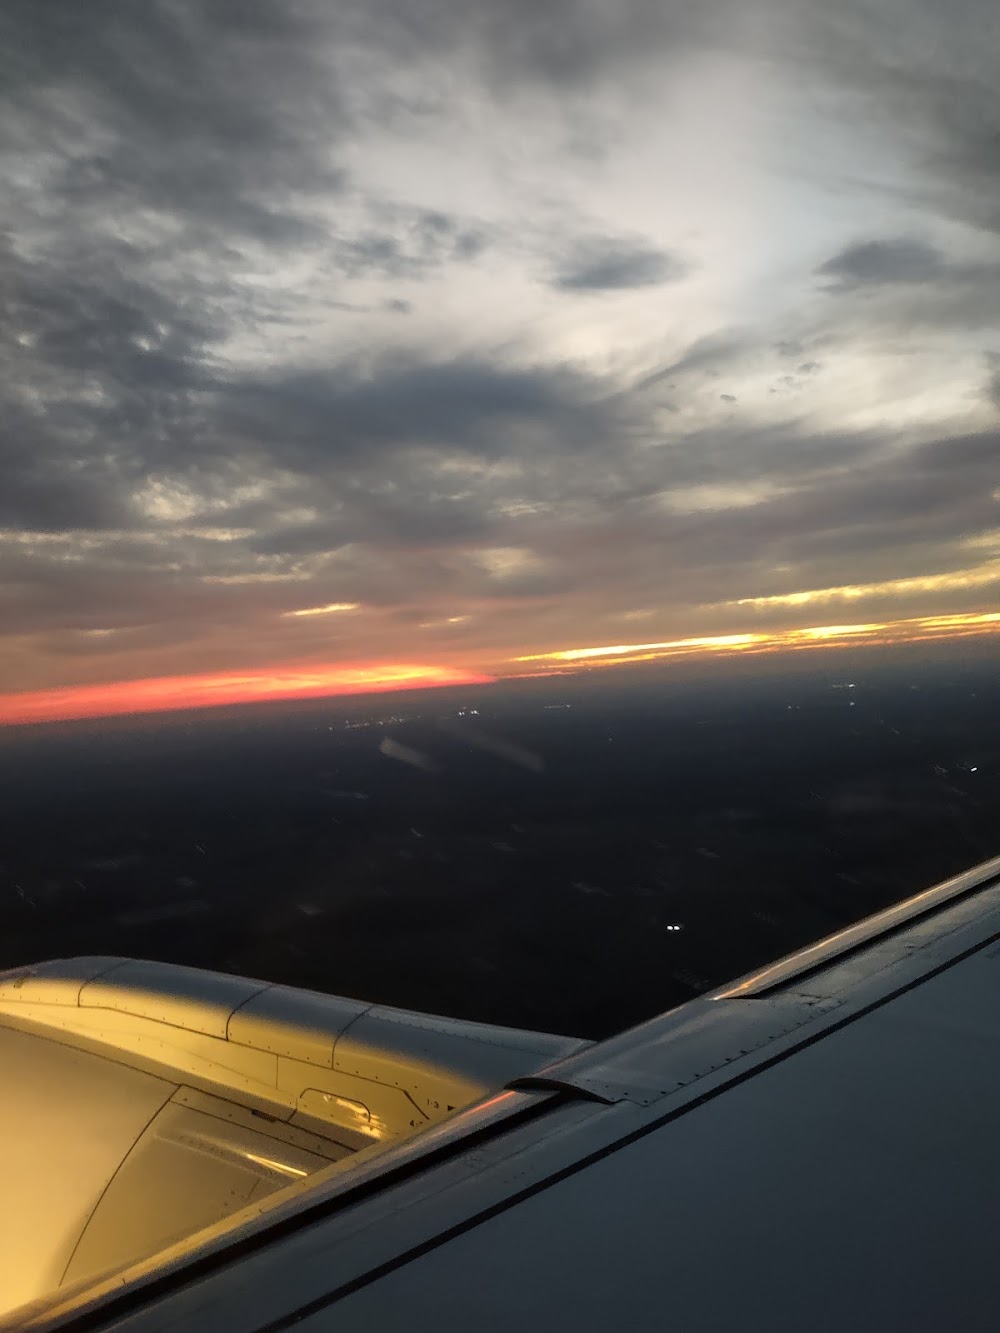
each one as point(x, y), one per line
point(194, 691)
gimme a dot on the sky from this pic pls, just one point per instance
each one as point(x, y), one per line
point(442, 338)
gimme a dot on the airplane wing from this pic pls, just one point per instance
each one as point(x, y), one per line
point(813, 1146)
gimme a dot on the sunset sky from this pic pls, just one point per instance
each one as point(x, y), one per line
point(357, 342)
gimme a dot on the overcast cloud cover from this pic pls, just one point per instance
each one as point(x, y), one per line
point(517, 325)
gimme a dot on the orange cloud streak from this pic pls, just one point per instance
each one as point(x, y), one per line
point(170, 693)
point(919, 629)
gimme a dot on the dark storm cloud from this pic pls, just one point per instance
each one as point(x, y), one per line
point(615, 265)
point(876, 263)
point(406, 519)
point(565, 44)
point(917, 285)
point(316, 418)
point(205, 111)
point(99, 371)
point(422, 239)
point(930, 70)
point(107, 375)
point(36, 493)
point(85, 314)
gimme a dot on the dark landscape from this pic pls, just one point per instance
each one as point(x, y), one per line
point(573, 854)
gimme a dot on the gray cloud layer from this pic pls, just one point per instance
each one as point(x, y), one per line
point(874, 263)
point(271, 337)
point(607, 265)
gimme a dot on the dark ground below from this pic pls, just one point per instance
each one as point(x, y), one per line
point(527, 863)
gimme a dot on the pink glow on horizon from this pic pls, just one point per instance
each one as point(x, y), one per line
point(172, 693)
